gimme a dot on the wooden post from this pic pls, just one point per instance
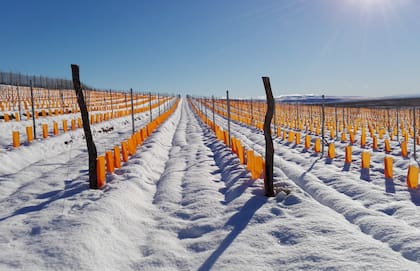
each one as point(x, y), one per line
point(398, 126)
point(93, 180)
point(132, 111)
point(269, 148)
point(62, 99)
point(310, 115)
point(18, 99)
point(415, 134)
point(126, 104)
point(336, 123)
point(158, 102)
point(228, 112)
point(274, 116)
point(150, 106)
point(49, 98)
point(212, 100)
point(112, 108)
point(252, 114)
point(205, 108)
point(33, 108)
point(104, 103)
point(323, 124)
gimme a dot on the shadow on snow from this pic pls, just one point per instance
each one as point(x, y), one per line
point(71, 188)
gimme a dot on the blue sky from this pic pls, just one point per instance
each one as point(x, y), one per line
point(332, 47)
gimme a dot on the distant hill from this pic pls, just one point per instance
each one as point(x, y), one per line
point(313, 98)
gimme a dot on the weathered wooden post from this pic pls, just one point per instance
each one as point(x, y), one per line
point(126, 102)
point(323, 124)
point(62, 95)
point(150, 106)
point(18, 96)
point(132, 111)
point(158, 102)
point(415, 134)
point(344, 126)
point(336, 122)
point(205, 106)
point(33, 108)
point(398, 126)
point(228, 113)
point(18, 99)
point(93, 180)
point(49, 98)
point(274, 117)
point(310, 116)
point(269, 148)
point(112, 108)
point(214, 122)
point(348, 116)
point(104, 102)
point(252, 114)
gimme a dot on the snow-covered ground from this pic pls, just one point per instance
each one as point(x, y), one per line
point(184, 202)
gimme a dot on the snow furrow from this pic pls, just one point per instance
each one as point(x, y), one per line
point(321, 221)
point(184, 202)
point(395, 232)
point(184, 191)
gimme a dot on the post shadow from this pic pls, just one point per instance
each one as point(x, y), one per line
point(346, 167)
point(365, 174)
point(70, 189)
point(239, 221)
point(389, 185)
point(415, 196)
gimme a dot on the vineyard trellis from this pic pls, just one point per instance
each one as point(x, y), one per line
point(34, 105)
point(377, 125)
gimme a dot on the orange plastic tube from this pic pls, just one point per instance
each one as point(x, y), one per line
point(100, 170)
point(317, 146)
point(413, 177)
point(109, 158)
point(331, 151)
point(55, 128)
point(16, 139)
point(388, 164)
point(29, 134)
point(44, 130)
point(348, 156)
point(365, 159)
point(124, 150)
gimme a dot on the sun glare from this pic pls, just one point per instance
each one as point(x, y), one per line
point(377, 4)
point(372, 8)
point(369, 4)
